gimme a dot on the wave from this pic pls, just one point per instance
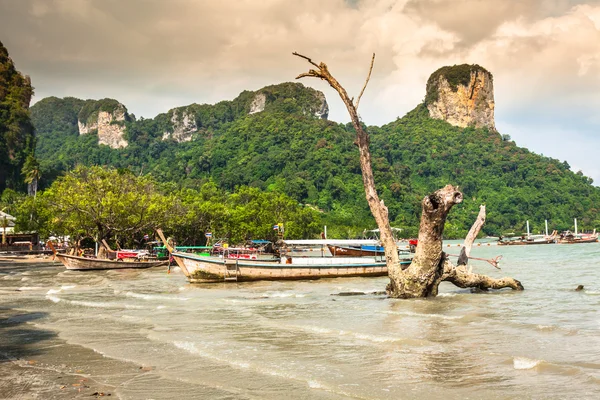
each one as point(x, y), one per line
point(154, 296)
point(191, 347)
point(92, 304)
point(356, 335)
point(27, 288)
point(63, 287)
point(282, 295)
point(525, 363)
point(447, 294)
point(415, 314)
point(53, 298)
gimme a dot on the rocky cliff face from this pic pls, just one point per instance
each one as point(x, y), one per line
point(290, 97)
point(462, 95)
point(107, 119)
point(184, 125)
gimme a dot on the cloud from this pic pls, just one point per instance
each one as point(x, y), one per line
point(153, 55)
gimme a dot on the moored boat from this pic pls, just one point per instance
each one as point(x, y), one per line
point(200, 269)
point(528, 240)
point(572, 238)
point(79, 263)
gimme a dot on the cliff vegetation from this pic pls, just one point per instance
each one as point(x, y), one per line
point(17, 139)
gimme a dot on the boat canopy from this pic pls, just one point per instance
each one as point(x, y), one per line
point(332, 242)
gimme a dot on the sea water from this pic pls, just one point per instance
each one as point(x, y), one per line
point(301, 340)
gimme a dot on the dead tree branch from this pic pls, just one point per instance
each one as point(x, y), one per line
point(474, 231)
point(366, 82)
point(378, 208)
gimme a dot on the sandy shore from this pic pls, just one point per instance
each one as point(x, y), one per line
point(37, 364)
point(11, 259)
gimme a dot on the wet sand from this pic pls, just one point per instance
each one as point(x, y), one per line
point(37, 364)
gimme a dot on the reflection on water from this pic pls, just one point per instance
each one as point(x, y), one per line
point(297, 340)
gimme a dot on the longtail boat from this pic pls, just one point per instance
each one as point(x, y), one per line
point(79, 263)
point(572, 238)
point(529, 240)
point(199, 269)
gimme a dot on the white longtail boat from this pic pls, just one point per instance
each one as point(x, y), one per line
point(203, 269)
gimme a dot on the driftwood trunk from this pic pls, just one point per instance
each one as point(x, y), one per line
point(430, 265)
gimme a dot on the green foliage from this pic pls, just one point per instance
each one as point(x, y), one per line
point(455, 75)
point(91, 108)
point(16, 130)
point(103, 203)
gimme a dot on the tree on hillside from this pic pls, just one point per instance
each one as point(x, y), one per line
point(430, 265)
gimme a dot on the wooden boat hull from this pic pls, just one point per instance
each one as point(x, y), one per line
point(339, 251)
point(526, 242)
point(213, 269)
point(88, 264)
point(573, 241)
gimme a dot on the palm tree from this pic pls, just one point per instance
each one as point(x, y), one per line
point(31, 171)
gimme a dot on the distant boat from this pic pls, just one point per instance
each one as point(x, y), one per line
point(526, 241)
point(568, 237)
point(529, 239)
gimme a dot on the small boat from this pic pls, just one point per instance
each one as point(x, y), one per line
point(569, 237)
point(79, 263)
point(356, 251)
point(528, 240)
point(199, 269)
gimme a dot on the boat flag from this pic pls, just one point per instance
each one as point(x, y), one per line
point(275, 227)
point(146, 237)
point(208, 234)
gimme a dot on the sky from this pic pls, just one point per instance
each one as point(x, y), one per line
point(153, 55)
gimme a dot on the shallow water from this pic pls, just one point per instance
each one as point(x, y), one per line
point(268, 340)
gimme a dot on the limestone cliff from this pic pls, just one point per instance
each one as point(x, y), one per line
point(462, 95)
point(183, 124)
point(107, 118)
point(289, 97)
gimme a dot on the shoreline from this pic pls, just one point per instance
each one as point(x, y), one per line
point(34, 259)
point(37, 363)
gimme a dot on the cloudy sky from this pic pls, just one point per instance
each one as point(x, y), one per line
point(153, 55)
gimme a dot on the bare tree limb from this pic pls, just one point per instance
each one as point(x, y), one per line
point(366, 82)
point(474, 231)
point(462, 277)
point(306, 58)
point(378, 209)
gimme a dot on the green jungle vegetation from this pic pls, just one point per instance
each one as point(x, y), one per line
point(17, 140)
point(119, 206)
point(287, 150)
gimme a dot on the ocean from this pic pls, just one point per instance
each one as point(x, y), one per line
point(146, 334)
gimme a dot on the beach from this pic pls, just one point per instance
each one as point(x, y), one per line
point(146, 334)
